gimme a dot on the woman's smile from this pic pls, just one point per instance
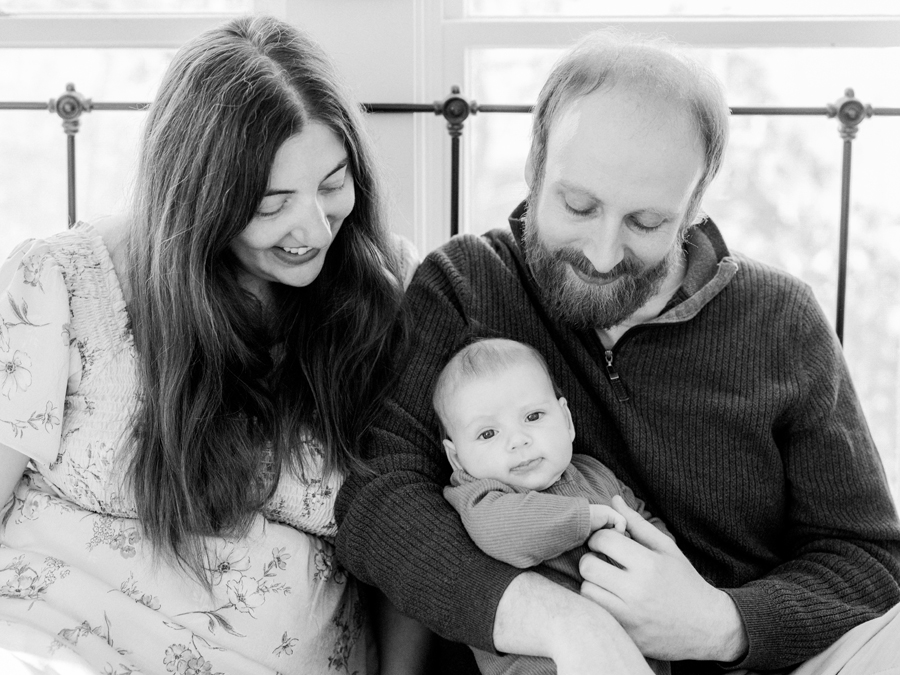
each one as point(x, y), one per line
point(294, 256)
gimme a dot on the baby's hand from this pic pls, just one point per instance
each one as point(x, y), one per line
point(606, 517)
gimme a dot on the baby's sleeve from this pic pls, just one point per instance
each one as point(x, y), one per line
point(522, 529)
point(34, 351)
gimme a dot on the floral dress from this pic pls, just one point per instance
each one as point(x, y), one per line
point(80, 590)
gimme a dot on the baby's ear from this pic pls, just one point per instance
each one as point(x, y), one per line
point(452, 457)
point(565, 407)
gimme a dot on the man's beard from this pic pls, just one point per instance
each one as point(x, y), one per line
point(584, 305)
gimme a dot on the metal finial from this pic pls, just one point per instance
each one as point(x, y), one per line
point(850, 111)
point(70, 106)
point(455, 110)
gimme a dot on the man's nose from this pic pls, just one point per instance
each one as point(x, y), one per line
point(604, 247)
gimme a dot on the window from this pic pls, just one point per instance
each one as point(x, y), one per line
point(112, 51)
point(778, 198)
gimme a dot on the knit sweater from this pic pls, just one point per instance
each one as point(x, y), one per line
point(731, 415)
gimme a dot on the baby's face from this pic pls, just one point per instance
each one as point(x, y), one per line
point(511, 427)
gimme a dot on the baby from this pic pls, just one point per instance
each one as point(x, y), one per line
point(522, 496)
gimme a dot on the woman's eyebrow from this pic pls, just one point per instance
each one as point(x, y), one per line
point(340, 165)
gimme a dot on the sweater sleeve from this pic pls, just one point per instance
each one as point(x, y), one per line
point(520, 528)
point(842, 559)
point(395, 529)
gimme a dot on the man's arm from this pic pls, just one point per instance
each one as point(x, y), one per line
point(842, 561)
point(522, 529)
point(841, 538)
point(540, 618)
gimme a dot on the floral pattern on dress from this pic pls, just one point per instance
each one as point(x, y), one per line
point(71, 636)
point(129, 587)
point(118, 534)
point(327, 568)
point(15, 373)
point(32, 267)
point(24, 582)
point(245, 593)
point(349, 621)
point(47, 419)
point(77, 575)
point(185, 661)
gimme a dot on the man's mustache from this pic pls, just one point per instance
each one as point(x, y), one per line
point(627, 266)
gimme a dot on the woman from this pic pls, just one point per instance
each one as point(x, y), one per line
point(182, 389)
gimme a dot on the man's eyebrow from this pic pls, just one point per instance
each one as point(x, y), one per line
point(574, 187)
point(340, 165)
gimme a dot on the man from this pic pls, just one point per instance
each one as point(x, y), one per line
point(709, 383)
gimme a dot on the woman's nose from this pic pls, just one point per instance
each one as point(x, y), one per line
point(312, 227)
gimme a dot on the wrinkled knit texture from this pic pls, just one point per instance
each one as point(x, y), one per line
point(741, 431)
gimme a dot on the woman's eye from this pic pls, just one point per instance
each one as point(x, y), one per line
point(335, 182)
point(534, 417)
point(268, 214)
point(267, 210)
point(334, 187)
point(487, 435)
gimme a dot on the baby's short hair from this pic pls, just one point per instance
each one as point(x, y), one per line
point(479, 358)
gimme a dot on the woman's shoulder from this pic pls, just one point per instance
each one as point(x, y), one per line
point(75, 262)
point(79, 244)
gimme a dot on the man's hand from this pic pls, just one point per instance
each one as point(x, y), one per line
point(606, 517)
point(540, 618)
point(666, 607)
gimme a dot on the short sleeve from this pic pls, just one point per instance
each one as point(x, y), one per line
point(34, 351)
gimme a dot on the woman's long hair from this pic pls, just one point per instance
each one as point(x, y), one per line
point(232, 391)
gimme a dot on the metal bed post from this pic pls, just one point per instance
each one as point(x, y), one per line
point(69, 107)
point(455, 110)
point(850, 111)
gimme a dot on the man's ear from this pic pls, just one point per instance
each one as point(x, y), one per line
point(452, 457)
point(529, 169)
point(565, 407)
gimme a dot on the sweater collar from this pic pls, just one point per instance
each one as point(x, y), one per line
point(710, 266)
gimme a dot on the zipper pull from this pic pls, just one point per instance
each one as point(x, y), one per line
point(614, 379)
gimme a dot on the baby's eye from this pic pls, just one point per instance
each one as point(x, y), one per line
point(487, 434)
point(534, 416)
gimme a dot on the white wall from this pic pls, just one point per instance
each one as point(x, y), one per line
point(384, 53)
